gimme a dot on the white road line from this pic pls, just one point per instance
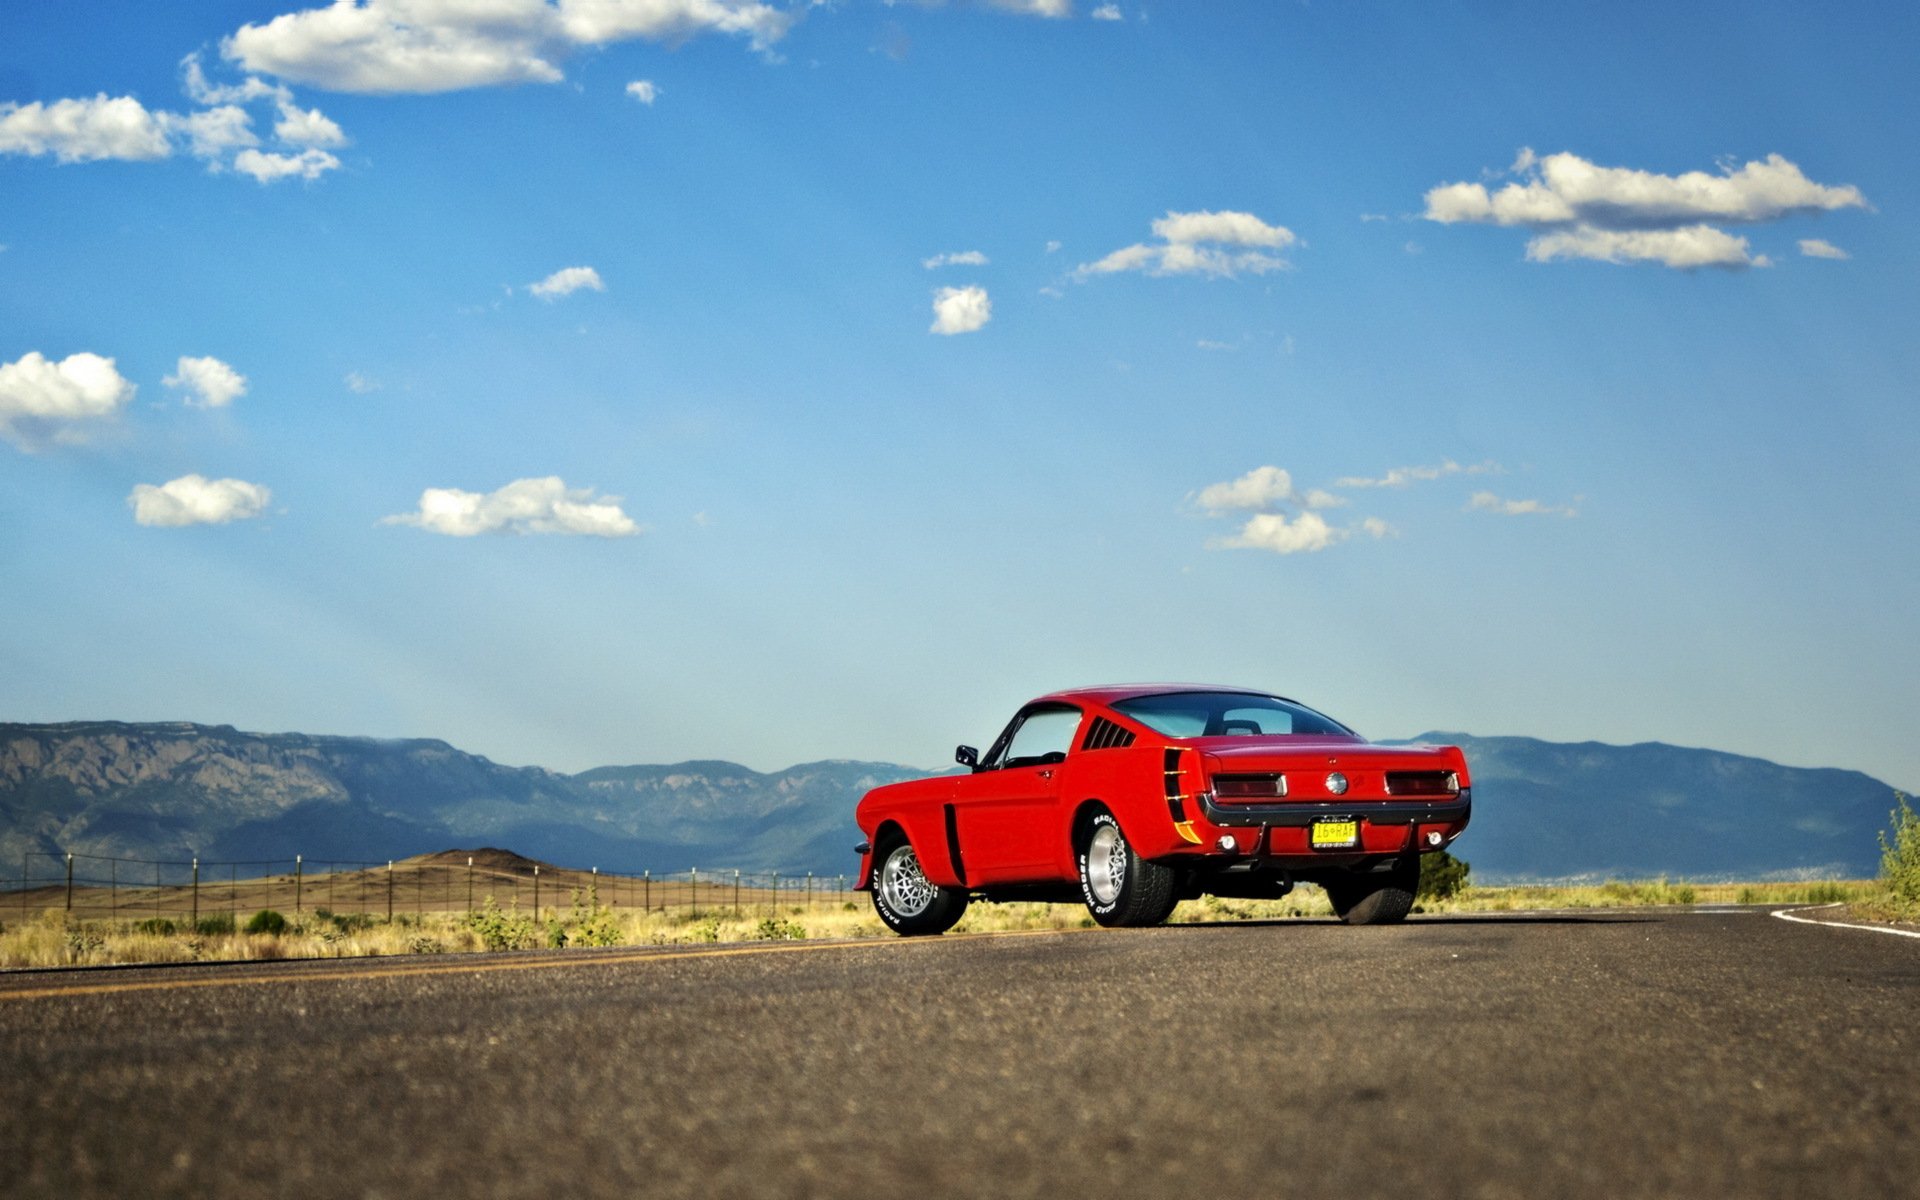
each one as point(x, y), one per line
point(1787, 914)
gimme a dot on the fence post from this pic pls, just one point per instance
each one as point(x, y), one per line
point(389, 891)
point(299, 878)
point(776, 894)
point(69, 881)
point(809, 891)
point(646, 889)
point(469, 885)
point(536, 893)
point(196, 890)
point(593, 889)
point(693, 889)
point(113, 882)
point(736, 891)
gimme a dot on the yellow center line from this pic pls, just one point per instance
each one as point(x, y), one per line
point(539, 964)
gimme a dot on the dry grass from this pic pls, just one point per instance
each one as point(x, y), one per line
point(55, 938)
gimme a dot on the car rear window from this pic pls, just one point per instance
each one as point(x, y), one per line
point(1226, 714)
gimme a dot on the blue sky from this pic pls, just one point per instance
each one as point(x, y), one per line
point(604, 381)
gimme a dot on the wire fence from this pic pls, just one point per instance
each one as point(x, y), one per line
point(97, 887)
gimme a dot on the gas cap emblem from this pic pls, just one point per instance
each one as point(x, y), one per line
point(1337, 784)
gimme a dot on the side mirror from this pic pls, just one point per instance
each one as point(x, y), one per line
point(967, 757)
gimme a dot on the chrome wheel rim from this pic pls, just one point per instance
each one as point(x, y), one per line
point(904, 884)
point(1106, 864)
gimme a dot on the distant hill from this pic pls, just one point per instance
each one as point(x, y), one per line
point(1555, 810)
point(1541, 809)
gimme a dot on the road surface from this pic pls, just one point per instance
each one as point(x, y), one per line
point(1636, 1053)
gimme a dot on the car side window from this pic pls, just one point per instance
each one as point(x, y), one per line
point(1042, 737)
point(1255, 721)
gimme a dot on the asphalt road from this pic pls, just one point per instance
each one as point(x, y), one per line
point(1617, 1054)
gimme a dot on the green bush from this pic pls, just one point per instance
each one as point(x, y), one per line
point(267, 921)
point(1900, 855)
point(218, 925)
point(1827, 893)
point(156, 926)
point(779, 929)
point(1442, 876)
point(502, 931)
point(592, 923)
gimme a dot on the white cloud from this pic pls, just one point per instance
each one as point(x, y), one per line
point(214, 383)
point(360, 384)
point(1488, 502)
point(1321, 498)
point(545, 505)
point(45, 400)
point(307, 127)
point(1107, 12)
point(960, 310)
point(197, 500)
point(567, 281)
point(965, 258)
point(1401, 477)
point(1216, 244)
point(1818, 248)
point(1693, 246)
point(644, 90)
point(1618, 214)
point(1304, 534)
point(1053, 247)
point(384, 46)
point(268, 168)
point(1036, 8)
point(1374, 527)
point(220, 132)
point(1262, 487)
point(84, 130)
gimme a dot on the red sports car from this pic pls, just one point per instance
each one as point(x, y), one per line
point(1133, 798)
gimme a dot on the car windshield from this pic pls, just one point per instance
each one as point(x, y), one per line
point(1226, 714)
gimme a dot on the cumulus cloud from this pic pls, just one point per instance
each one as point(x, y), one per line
point(544, 505)
point(220, 132)
point(1303, 534)
point(644, 90)
point(1618, 214)
point(197, 500)
point(1488, 502)
point(267, 168)
point(84, 130)
point(360, 384)
point(960, 310)
point(1262, 487)
point(1215, 244)
point(42, 400)
point(386, 46)
point(965, 258)
point(567, 281)
point(1819, 248)
point(208, 382)
point(1400, 477)
point(1284, 519)
point(1107, 12)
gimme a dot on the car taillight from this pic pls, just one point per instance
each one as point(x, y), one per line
point(1423, 783)
point(1250, 787)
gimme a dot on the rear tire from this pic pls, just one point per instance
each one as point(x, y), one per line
point(908, 902)
point(1375, 899)
point(1120, 887)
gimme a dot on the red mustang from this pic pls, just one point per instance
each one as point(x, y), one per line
point(1147, 795)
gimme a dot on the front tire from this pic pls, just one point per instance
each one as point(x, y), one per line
point(1375, 899)
point(908, 902)
point(1119, 886)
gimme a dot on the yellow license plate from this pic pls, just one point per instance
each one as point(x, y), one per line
point(1335, 835)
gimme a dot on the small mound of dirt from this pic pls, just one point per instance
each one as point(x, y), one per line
point(488, 858)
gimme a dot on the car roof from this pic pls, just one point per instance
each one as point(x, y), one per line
point(1107, 693)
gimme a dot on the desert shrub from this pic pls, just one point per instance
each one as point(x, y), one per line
point(1442, 876)
point(779, 929)
point(1900, 855)
point(592, 923)
point(267, 921)
point(217, 925)
point(706, 929)
point(156, 927)
point(556, 934)
point(426, 945)
point(502, 930)
point(1748, 895)
point(83, 940)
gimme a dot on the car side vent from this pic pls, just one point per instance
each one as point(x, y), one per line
point(1105, 735)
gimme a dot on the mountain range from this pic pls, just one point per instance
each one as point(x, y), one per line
point(1542, 810)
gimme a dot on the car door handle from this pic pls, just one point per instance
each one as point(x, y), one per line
point(1046, 774)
